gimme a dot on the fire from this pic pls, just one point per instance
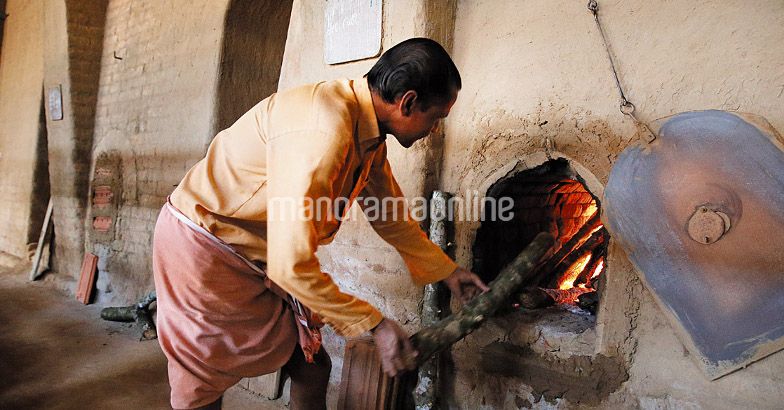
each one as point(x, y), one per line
point(567, 280)
point(598, 270)
point(567, 291)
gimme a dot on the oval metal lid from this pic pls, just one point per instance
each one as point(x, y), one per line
point(725, 291)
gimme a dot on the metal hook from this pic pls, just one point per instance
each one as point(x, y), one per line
point(627, 108)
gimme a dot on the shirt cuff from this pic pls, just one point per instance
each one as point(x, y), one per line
point(360, 327)
point(445, 268)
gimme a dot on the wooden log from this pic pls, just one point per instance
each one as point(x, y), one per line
point(426, 391)
point(446, 332)
point(567, 295)
point(534, 298)
point(138, 312)
point(588, 247)
point(599, 254)
point(43, 241)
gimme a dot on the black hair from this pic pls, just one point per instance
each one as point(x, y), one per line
point(418, 64)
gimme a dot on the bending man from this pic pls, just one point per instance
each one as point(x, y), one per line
point(240, 290)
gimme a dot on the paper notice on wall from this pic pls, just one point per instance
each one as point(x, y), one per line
point(352, 30)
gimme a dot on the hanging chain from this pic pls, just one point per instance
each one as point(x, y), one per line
point(627, 108)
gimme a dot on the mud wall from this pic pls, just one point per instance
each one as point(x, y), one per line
point(21, 79)
point(537, 83)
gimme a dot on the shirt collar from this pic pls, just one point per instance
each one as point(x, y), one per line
point(367, 129)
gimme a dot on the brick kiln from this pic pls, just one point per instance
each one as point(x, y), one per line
point(547, 336)
point(685, 207)
point(548, 198)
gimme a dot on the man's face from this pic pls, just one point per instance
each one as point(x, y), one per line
point(413, 124)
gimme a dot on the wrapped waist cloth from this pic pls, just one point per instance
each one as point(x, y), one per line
point(219, 317)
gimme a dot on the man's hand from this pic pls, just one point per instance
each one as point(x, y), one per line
point(464, 284)
point(394, 348)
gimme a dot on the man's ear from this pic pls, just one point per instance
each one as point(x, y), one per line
point(408, 102)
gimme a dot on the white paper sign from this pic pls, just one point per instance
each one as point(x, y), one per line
point(352, 30)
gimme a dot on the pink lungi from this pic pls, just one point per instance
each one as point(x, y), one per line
point(218, 321)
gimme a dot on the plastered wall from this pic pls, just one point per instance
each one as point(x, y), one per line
point(535, 74)
point(21, 79)
point(535, 80)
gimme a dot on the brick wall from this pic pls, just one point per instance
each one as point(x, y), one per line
point(155, 115)
point(251, 55)
point(72, 58)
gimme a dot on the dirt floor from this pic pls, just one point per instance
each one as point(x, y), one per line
point(56, 353)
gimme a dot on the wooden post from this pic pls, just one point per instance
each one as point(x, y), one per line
point(42, 240)
point(139, 313)
point(426, 391)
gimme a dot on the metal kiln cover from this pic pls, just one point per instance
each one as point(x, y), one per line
point(700, 212)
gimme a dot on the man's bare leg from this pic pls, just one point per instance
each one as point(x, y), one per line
point(216, 405)
point(308, 380)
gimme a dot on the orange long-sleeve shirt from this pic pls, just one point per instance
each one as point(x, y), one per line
point(307, 145)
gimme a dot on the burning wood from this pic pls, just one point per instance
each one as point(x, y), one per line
point(577, 260)
point(534, 298)
point(538, 298)
point(572, 245)
point(561, 296)
point(567, 279)
point(595, 266)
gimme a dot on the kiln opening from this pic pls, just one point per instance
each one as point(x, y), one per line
point(550, 198)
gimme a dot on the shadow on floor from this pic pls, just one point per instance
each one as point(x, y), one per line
point(58, 354)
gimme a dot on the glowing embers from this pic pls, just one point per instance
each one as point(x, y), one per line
point(549, 198)
point(573, 269)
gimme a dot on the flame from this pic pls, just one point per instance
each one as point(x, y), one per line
point(567, 291)
point(592, 208)
point(567, 280)
point(599, 267)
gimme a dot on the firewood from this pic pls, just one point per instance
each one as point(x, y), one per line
point(588, 247)
point(534, 298)
point(453, 328)
point(570, 246)
point(138, 312)
point(567, 295)
point(599, 254)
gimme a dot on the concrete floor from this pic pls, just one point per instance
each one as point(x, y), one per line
point(56, 353)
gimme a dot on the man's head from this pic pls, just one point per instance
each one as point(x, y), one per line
point(415, 84)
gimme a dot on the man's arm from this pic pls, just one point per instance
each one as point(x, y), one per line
point(424, 259)
point(302, 168)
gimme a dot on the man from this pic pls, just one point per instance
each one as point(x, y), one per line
point(237, 278)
